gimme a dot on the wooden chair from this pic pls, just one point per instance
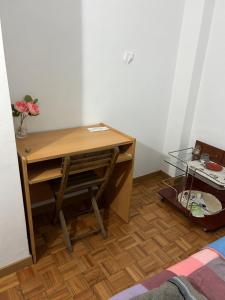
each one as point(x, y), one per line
point(87, 171)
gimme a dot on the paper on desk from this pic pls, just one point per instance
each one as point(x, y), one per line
point(94, 129)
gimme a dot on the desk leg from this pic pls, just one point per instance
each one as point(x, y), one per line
point(28, 209)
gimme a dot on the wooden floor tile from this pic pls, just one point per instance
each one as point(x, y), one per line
point(59, 292)
point(86, 295)
point(103, 290)
point(32, 288)
point(120, 280)
point(124, 259)
point(94, 275)
point(14, 293)
point(8, 282)
point(51, 277)
point(109, 266)
point(135, 272)
point(77, 284)
point(26, 274)
point(38, 296)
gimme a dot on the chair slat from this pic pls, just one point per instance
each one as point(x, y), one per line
point(80, 178)
point(86, 165)
point(93, 167)
point(75, 160)
point(83, 185)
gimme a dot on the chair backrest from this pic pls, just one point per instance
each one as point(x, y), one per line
point(92, 161)
point(101, 161)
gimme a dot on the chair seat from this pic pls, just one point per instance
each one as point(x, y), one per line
point(78, 182)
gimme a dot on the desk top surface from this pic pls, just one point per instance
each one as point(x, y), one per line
point(58, 143)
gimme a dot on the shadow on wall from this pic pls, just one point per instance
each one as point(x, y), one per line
point(42, 41)
point(149, 159)
point(186, 138)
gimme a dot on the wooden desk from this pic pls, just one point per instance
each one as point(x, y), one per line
point(40, 156)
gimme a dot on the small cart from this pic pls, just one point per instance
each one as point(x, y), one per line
point(196, 191)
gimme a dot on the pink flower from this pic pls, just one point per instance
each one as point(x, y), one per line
point(21, 106)
point(33, 108)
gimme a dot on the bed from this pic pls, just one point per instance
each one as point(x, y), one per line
point(205, 270)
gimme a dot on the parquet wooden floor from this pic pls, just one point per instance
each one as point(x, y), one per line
point(157, 236)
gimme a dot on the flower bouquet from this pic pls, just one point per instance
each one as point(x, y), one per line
point(23, 109)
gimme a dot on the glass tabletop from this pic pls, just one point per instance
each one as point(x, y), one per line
point(184, 161)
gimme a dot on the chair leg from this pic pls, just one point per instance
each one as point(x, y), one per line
point(98, 216)
point(55, 217)
point(56, 211)
point(65, 231)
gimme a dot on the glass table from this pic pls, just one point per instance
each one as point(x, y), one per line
point(195, 190)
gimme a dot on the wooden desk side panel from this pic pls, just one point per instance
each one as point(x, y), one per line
point(119, 192)
point(28, 207)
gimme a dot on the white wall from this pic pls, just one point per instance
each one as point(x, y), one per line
point(189, 65)
point(185, 65)
point(42, 42)
point(69, 54)
point(134, 98)
point(13, 239)
point(195, 31)
point(209, 122)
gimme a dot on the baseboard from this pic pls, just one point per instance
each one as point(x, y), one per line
point(149, 176)
point(16, 266)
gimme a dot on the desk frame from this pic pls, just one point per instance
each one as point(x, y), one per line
point(118, 191)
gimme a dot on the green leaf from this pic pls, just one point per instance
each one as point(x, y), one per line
point(16, 113)
point(28, 98)
point(36, 100)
